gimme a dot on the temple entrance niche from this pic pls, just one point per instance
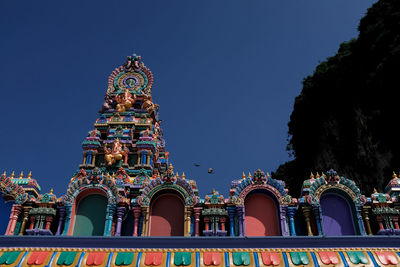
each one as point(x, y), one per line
point(167, 215)
point(261, 215)
point(337, 214)
point(90, 216)
point(5, 209)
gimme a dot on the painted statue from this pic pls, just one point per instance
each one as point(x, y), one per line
point(125, 100)
point(114, 154)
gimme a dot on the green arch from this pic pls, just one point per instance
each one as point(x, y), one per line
point(90, 216)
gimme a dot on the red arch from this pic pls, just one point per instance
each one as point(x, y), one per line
point(167, 216)
point(261, 215)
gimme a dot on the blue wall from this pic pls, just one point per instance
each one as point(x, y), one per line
point(5, 210)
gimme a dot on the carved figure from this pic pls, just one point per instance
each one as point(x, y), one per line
point(125, 100)
point(133, 62)
point(108, 103)
point(114, 154)
point(150, 107)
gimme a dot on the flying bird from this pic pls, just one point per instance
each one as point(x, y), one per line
point(196, 164)
point(210, 170)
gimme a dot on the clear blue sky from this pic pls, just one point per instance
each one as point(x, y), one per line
point(225, 75)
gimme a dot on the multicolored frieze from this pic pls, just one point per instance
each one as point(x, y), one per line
point(127, 186)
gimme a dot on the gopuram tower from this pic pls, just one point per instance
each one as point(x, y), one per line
point(124, 158)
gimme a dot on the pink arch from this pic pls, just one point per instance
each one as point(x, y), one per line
point(167, 215)
point(261, 216)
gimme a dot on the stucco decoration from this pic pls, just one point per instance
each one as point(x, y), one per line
point(94, 179)
point(333, 181)
point(181, 186)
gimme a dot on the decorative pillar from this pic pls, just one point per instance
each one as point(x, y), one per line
point(360, 219)
point(15, 211)
point(120, 213)
point(61, 219)
point(290, 212)
point(240, 212)
point(307, 212)
point(84, 158)
point(187, 221)
point(366, 220)
point(139, 156)
point(145, 214)
point(109, 218)
point(49, 219)
point(136, 216)
point(283, 210)
point(68, 209)
point(32, 225)
point(317, 214)
point(148, 158)
point(94, 157)
point(222, 220)
point(197, 212)
point(231, 212)
point(379, 220)
point(396, 222)
point(24, 220)
point(206, 223)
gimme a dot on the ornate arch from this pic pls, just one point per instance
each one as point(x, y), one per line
point(12, 191)
point(96, 180)
point(180, 186)
point(333, 181)
point(260, 181)
point(133, 75)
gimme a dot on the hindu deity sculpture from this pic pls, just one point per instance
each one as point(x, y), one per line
point(125, 100)
point(149, 106)
point(114, 154)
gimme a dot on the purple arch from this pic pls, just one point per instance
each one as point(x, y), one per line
point(337, 218)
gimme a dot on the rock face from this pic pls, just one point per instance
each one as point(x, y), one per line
point(346, 115)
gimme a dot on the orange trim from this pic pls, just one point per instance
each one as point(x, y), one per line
point(386, 257)
point(212, 258)
point(153, 258)
point(95, 258)
point(271, 258)
point(38, 257)
point(328, 257)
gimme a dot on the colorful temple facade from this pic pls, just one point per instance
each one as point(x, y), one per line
point(126, 187)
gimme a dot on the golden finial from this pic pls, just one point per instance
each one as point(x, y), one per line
point(324, 175)
point(30, 174)
point(12, 174)
point(312, 175)
point(394, 175)
point(375, 191)
point(243, 176)
point(267, 174)
point(51, 191)
point(4, 173)
point(213, 191)
point(317, 176)
point(177, 175)
point(183, 176)
point(249, 175)
point(21, 175)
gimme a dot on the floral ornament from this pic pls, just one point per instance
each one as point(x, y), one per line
point(332, 176)
point(259, 177)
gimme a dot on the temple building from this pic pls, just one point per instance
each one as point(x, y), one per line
point(127, 194)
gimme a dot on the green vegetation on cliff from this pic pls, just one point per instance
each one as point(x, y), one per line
point(347, 114)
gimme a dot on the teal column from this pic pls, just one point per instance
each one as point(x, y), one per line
point(231, 212)
point(291, 211)
point(68, 208)
point(109, 218)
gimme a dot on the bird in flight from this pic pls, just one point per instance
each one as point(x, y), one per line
point(210, 170)
point(196, 164)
